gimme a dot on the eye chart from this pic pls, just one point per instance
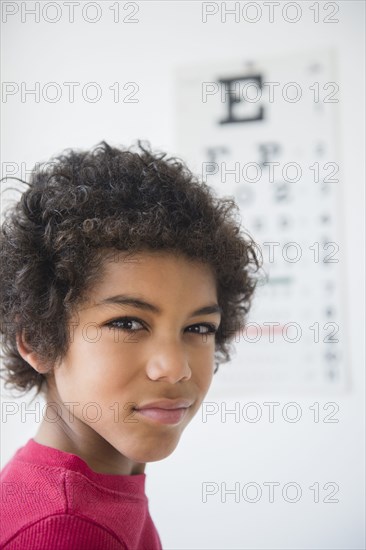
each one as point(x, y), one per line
point(265, 132)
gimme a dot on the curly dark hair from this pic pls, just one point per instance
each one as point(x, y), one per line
point(82, 206)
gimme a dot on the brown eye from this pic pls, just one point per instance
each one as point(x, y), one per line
point(208, 329)
point(126, 323)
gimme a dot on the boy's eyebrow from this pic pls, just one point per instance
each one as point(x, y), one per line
point(129, 300)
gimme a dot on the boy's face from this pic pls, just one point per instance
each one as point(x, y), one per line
point(109, 372)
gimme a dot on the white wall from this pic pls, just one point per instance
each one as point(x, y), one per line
point(170, 34)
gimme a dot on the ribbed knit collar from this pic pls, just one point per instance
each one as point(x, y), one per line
point(36, 453)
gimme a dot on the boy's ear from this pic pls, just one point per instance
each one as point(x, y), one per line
point(28, 354)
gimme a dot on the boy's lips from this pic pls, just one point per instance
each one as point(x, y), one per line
point(165, 411)
point(167, 404)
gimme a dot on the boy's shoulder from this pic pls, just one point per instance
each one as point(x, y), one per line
point(30, 493)
point(73, 530)
point(60, 496)
point(41, 505)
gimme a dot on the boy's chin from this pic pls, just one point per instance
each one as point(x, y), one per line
point(153, 455)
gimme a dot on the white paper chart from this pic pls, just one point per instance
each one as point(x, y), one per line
point(265, 131)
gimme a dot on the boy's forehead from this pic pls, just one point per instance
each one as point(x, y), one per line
point(148, 273)
point(122, 260)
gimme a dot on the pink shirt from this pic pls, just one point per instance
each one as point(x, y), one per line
point(52, 500)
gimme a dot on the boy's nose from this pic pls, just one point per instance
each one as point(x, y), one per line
point(169, 362)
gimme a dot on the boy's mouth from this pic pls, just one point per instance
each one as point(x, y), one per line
point(164, 416)
point(165, 411)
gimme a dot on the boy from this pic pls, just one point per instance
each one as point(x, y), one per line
point(122, 278)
